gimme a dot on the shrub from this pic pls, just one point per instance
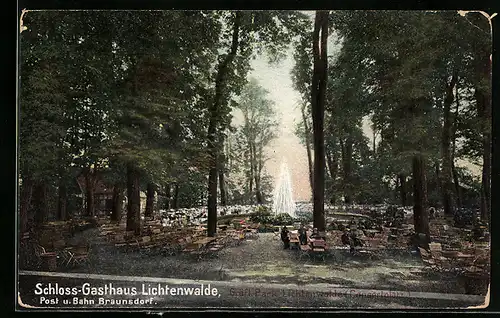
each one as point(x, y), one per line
point(261, 215)
point(262, 209)
point(283, 219)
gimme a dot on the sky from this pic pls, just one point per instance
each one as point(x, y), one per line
point(276, 79)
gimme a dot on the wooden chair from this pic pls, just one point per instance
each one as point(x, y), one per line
point(143, 243)
point(318, 243)
point(304, 250)
point(38, 251)
point(66, 256)
point(119, 240)
point(77, 255)
point(294, 243)
point(190, 247)
point(319, 248)
point(238, 237)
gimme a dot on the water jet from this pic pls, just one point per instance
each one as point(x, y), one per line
point(283, 196)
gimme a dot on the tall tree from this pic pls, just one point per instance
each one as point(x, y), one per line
point(214, 110)
point(42, 106)
point(250, 31)
point(307, 142)
point(258, 130)
point(318, 94)
point(449, 203)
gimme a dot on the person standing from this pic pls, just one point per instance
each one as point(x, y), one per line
point(302, 235)
point(284, 237)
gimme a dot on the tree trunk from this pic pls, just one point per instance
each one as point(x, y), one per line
point(434, 184)
point(175, 199)
point(62, 200)
point(222, 169)
point(40, 204)
point(332, 163)
point(420, 211)
point(89, 195)
point(456, 182)
point(168, 195)
point(252, 171)
point(134, 200)
point(446, 174)
point(402, 189)
point(483, 101)
point(150, 200)
point(486, 177)
point(318, 91)
point(256, 175)
point(25, 202)
point(220, 84)
point(222, 187)
point(346, 169)
point(458, 192)
point(308, 147)
point(116, 211)
point(258, 193)
point(260, 165)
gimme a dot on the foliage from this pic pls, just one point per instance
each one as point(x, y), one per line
point(283, 219)
point(263, 209)
point(100, 89)
point(382, 73)
point(192, 190)
point(251, 141)
point(264, 217)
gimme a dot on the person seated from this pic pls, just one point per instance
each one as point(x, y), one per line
point(350, 238)
point(285, 238)
point(341, 227)
point(345, 238)
point(302, 235)
point(315, 234)
point(333, 226)
point(432, 213)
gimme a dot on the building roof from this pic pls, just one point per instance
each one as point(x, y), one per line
point(100, 188)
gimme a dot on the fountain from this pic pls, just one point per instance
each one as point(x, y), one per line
point(283, 199)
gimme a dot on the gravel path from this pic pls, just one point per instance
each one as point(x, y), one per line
point(265, 260)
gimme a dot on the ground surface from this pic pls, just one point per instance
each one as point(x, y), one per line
point(257, 272)
point(265, 261)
